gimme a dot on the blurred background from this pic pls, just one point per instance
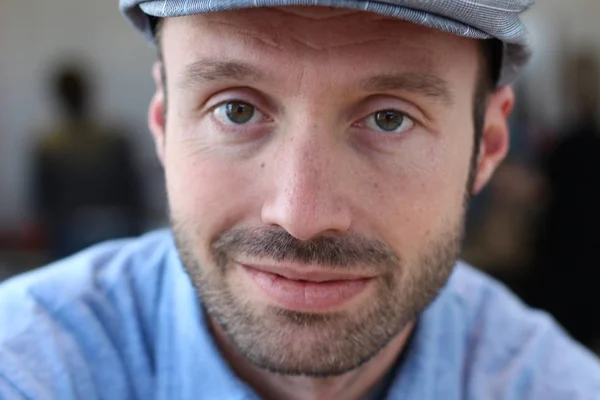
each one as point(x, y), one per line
point(77, 165)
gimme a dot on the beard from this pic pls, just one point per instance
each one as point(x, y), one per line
point(316, 344)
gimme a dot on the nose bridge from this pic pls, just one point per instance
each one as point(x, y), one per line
point(306, 160)
point(305, 200)
point(305, 166)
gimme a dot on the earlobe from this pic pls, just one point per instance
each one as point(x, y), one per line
point(495, 139)
point(156, 113)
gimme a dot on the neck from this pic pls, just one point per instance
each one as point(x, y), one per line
point(353, 385)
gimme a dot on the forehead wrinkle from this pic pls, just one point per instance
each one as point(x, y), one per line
point(278, 28)
point(257, 35)
point(292, 38)
point(329, 47)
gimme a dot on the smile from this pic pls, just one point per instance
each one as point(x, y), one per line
point(304, 290)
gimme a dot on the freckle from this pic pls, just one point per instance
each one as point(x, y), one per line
point(375, 185)
point(262, 165)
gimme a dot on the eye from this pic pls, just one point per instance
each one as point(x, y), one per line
point(391, 121)
point(237, 113)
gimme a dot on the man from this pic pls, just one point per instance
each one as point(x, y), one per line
point(85, 185)
point(318, 164)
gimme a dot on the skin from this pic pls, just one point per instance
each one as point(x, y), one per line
point(314, 169)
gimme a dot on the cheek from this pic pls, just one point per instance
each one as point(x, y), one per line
point(210, 192)
point(422, 196)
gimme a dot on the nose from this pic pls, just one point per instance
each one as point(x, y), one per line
point(306, 197)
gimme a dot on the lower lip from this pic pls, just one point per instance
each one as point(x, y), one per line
point(306, 296)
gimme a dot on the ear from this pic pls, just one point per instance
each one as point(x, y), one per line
point(495, 141)
point(156, 112)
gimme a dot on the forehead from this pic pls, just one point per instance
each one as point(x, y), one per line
point(353, 42)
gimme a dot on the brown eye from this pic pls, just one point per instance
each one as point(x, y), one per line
point(391, 121)
point(237, 113)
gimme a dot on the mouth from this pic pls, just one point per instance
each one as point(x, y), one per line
point(306, 290)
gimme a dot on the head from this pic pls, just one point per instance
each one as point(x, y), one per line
point(583, 74)
point(321, 141)
point(71, 91)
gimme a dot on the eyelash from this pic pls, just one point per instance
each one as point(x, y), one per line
point(363, 122)
point(219, 107)
point(405, 118)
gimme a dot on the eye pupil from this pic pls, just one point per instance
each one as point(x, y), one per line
point(389, 120)
point(239, 112)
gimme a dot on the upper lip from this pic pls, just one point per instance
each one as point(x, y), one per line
point(306, 273)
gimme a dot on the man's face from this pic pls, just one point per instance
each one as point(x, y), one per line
point(317, 164)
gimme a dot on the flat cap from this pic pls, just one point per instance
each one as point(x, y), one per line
point(477, 19)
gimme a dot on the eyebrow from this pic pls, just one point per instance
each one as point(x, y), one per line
point(205, 71)
point(424, 84)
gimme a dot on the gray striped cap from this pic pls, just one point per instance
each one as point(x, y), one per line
point(477, 19)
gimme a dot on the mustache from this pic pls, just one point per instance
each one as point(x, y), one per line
point(279, 245)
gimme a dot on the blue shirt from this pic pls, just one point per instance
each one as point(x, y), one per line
point(122, 321)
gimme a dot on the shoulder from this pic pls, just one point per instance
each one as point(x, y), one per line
point(92, 310)
point(93, 271)
point(512, 348)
